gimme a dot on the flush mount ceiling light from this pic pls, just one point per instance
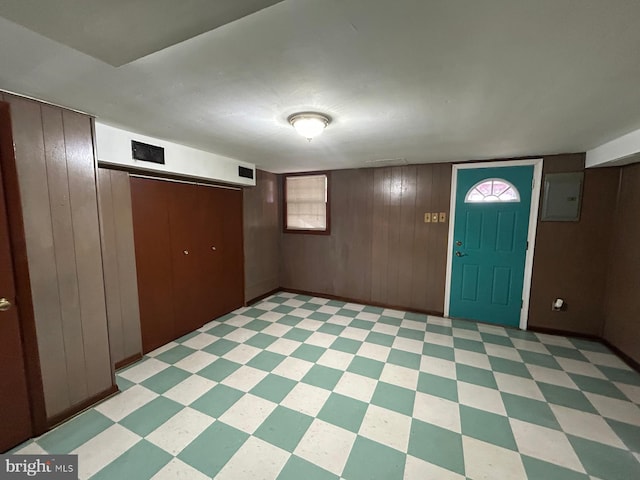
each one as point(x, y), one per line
point(309, 124)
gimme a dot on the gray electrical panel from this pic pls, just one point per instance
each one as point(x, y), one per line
point(562, 197)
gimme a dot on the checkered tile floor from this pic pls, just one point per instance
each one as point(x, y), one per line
point(306, 388)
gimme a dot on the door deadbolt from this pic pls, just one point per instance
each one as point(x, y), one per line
point(458, 243)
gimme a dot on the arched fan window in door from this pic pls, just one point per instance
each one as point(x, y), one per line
point(492, 190)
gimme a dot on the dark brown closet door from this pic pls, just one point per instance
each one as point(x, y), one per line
point(15, 414)
point(187, 256)
point(150, 200)
point(232, 247)
point(213, 280)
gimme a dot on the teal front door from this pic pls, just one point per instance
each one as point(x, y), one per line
point(489, 243)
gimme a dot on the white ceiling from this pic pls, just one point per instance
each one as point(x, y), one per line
point(121, 31)
point(421, 80)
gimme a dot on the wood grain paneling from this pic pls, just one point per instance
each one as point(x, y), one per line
point(65, 249)
point(127, 278)
point(261, 236)
point(409, 256)
point(56, 173)
point(26, 120)
point(622, 324)
point(351, 232)
point(86, 229)
point(380, 242)
point(570, 259)
point(441, 203)
point(110, 266)
point(380, 250)
point(421, 285)
point(118, 250)
point(407, 235)
point(232, 252)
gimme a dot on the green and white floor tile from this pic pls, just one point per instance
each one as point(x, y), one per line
point(298, 387)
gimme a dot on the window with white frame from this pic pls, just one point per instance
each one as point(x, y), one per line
point(306, 203)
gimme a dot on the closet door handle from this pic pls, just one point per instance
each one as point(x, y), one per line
point(4, 304)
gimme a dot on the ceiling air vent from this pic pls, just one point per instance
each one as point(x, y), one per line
point(245, 172)
point(386, 162)
point(146, 152)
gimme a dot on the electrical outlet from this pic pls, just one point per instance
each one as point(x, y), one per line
point(434, 217)
point(558, 305)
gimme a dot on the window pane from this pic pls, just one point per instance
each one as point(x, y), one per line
point(509, 195)
point(492, 190)
point(307, 189)
point(485, 188)
point(499, 187)
point(306, 202)
point(474, 196)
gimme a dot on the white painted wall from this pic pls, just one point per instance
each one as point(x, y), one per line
point(622, 150)
point(114, 148)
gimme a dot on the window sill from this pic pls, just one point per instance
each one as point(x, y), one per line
point(307, 232)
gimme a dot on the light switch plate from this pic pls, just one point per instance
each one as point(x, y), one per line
point(443, 217)
point(427, 218)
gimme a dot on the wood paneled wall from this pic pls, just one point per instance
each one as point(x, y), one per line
point(380, 250)
point(571, 258)
point(118, 251)
point(262, 228)
point(56, 171)
point(622, 324)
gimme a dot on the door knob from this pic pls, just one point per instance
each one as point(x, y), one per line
point(186, 252)
point(460, 254)
point(213, 248)
point(4, 304)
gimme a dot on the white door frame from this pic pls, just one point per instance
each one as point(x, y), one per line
point(531, 236)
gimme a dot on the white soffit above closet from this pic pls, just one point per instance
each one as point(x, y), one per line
point(120, 31)
point(113, 148)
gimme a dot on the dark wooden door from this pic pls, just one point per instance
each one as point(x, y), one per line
point(15, 414)
point(150, 201)
point(213, 281)
point(232, 249)
point(187, 257)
